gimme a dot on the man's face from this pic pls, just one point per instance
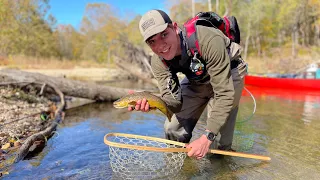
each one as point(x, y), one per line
point(167, 43)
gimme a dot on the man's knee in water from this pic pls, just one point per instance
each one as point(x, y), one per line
point(176, 134)
point(180, 138)
point(169, 128)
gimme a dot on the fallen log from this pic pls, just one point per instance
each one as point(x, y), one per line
point(54, 85)
point(42, 135)
point(68, 87)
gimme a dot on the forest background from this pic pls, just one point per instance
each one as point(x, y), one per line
point(278, 36)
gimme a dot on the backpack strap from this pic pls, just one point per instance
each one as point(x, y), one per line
point(233, 30)
point(227, 27)
point(190, 33)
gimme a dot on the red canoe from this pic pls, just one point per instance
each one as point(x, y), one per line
point(283, 83)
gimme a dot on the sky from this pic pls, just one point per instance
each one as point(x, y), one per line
point(71, 11)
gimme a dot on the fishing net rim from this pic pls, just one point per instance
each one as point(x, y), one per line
point(146, 148)
point(179, 150)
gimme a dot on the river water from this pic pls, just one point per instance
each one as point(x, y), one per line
point(285, 126)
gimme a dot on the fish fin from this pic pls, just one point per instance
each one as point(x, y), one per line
point(132, 103)
point(153, 108)
point(169, 115)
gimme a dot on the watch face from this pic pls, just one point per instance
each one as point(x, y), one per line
point(211, 136)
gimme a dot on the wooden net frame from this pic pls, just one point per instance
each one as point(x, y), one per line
point(144, 157)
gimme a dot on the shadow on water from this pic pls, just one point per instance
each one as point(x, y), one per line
point(285, 127)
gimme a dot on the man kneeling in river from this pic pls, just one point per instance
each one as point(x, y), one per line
point(212, 80)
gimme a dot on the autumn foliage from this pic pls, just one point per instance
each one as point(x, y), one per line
point(289, 29)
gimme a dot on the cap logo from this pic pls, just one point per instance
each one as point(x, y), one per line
point(147, 24)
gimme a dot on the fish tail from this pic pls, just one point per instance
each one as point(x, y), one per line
point(166, 112)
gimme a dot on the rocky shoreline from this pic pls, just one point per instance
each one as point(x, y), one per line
point(24, 111)
point(20, 116)
point(20, 111)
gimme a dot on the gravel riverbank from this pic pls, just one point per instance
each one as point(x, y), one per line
point(21, 111)
point(20, 115)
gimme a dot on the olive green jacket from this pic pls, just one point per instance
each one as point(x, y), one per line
point(212, 43)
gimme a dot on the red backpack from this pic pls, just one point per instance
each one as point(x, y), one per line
point(228, 25)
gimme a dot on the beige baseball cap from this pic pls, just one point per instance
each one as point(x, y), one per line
point(153, 22)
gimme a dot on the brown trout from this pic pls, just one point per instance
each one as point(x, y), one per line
point(154, 101)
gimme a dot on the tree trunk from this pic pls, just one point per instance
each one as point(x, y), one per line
point(193, 8)
point(317, 35)
point(209, 5)
point(297, 35)
point(226, 13)
point(253, 42)
point(281, 35)
point(303, 34)
point(294, 42)
point(258, 45)
point(230, 6)
point(247, 42)
point(217, 6)
point(308, 32)
point(68, 87)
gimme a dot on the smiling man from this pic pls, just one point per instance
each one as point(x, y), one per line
point(213, 80)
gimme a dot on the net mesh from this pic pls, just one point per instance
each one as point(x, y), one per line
point(243, 138)
point(143, 164)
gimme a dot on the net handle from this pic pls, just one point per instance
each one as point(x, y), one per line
point(136, 147)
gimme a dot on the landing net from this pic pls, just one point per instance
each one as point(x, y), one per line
point(141, 157)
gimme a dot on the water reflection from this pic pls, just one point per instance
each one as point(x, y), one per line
point(103, 111)
point(303, 105)
point(285, 127)
point(311, 109)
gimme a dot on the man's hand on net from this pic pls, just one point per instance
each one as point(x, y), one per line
point(199, 147)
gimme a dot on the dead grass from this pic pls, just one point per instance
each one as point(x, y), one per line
point(278, 65)
point(281, 61)
point(25, 62)
point(277, 60)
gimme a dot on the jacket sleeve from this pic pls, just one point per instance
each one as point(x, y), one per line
point(168, 84)
point(214, 52)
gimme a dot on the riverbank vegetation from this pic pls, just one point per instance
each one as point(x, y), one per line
point(277, 36)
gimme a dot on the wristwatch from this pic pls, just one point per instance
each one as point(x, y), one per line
point(210, 135)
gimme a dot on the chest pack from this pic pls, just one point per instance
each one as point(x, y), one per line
point(228, 25)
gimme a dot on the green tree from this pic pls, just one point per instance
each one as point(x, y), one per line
point(26, 28)
point(71, 42)
point(133, 32)
point(101, 27)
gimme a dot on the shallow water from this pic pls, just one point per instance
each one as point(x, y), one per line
point(285, 127)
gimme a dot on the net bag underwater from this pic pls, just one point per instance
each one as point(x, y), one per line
point(244, 135)
point(144, 157)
